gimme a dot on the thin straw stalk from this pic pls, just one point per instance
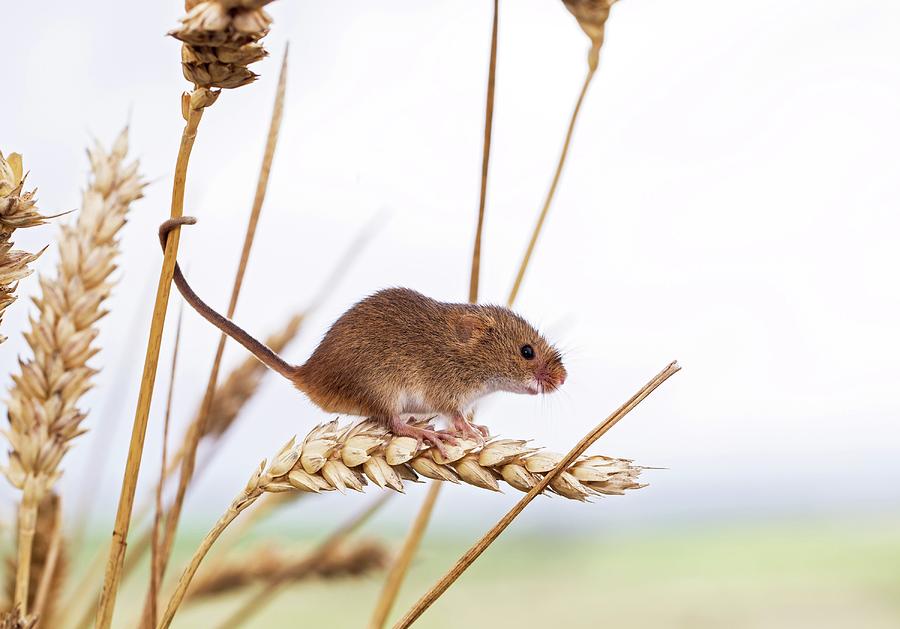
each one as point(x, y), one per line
point(192, 439)
point(116, 557)
point(220, 39)
point(400, 566)
point(413, 539)
point(591, 16)
point(52, 571)
point(485, 157)
point(475, 551)
point(535, 234)
point(155, 575)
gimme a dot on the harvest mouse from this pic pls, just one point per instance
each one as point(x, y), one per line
point(398, 352)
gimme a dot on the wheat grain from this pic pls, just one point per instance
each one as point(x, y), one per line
point(220, 39)
point(17, 210)
point(43, 410)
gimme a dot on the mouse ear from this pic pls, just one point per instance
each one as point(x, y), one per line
point(469, 327)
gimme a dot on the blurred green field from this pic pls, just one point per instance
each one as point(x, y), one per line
point(802, 574)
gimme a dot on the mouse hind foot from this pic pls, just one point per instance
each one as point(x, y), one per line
point(439, 440)
point(464, 429)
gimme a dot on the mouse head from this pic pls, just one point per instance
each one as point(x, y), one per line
point(514, 356)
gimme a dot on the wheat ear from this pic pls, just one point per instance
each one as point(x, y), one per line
point(43, 410)
point(220, 39)
point(17, 210)
point(267, 567)
point(347, 458)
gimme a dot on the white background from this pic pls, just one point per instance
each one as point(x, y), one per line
point(730, 201)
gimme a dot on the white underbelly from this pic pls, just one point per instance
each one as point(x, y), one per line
point(411, 401)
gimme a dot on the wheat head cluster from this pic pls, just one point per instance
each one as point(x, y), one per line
point(45, 416)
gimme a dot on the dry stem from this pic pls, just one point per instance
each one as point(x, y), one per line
point(139, 429)
point(401, 564)
point(51, 574)
point(523, 266)
point(192, 439)
point(473, 553)
point(155, 575)
point(485, 157)
point(398, 569)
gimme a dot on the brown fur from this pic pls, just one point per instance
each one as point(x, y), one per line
point(399, 340)
point(399, 351)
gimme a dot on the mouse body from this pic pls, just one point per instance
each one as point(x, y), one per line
point(398, 352)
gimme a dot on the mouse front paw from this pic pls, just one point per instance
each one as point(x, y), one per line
point(464, 429)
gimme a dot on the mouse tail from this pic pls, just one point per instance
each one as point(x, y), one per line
point(262, 352)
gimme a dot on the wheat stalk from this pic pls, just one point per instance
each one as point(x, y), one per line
point(553, 475)
point(197, 428)
point(43, 410)
point(156, 525)
point(48, 562)
point(591, 16)
point(17, 210)
point(267, 567)
point(220, 39)
point(332, 457)
point(54, 565)
point(399, 568)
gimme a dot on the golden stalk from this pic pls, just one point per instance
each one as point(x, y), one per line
point(557, 473)
point(591, 16)
point(51, 571)
point(220, 39)
point(485, 157)
point(116, 557)
point(400, 566)
point(526, 258)
point(401, 563)
point(192, 439)
point(155, 576)
point(254, 488)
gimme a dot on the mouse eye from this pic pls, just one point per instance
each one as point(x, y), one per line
point(527, 352)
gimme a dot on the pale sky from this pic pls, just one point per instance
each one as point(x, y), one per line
point(730, 201)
